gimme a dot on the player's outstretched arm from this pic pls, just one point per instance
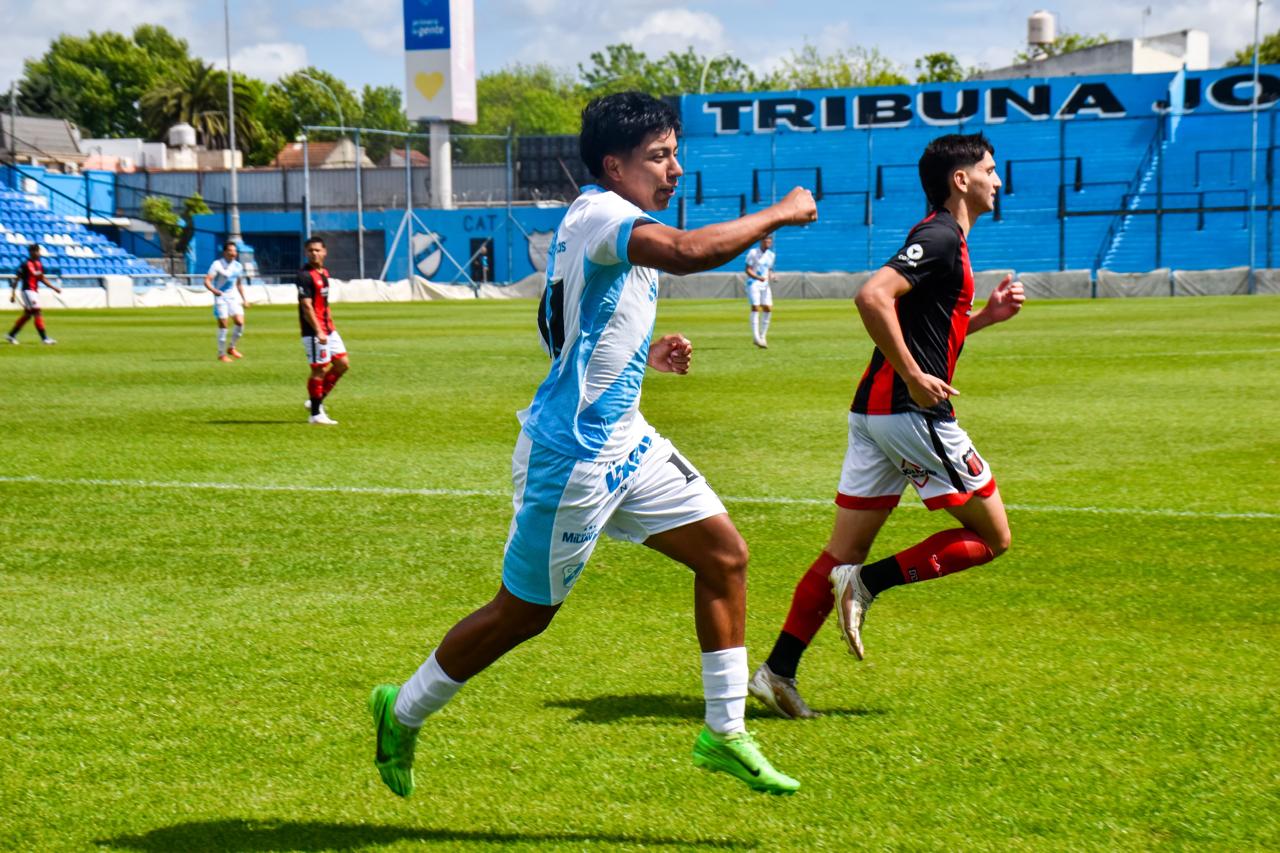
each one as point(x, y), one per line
point(1005, 301)
point(875, 303)
point(682, 252)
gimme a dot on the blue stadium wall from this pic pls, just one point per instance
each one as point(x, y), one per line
point(1126, 172)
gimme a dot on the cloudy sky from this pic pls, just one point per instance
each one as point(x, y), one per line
point(360, 40)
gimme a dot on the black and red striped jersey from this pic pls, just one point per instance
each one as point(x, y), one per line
point(29, 273)
point(933, 314)
point(313, 284)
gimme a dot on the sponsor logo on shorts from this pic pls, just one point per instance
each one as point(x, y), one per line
point(619, 473)
point(973, 462)
point(571, 574)
point(917, 474)
point(590, 534)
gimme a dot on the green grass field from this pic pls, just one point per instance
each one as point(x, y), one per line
point(197, 591)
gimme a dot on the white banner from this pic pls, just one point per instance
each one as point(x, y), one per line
point(440, 60)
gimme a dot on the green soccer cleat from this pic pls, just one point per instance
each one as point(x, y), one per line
point(395, 741)
point(739, 755)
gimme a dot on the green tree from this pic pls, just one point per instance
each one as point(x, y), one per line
point(198, 96)
point(621, 68)
point(96, 81)
point(1066, 42)
point(1268, 52)
point(381, 106)
point(940, 68)
point(529, 99)
point(175, 230)
point(809, 68)
point(297, 100)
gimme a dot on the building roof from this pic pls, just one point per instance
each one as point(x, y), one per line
point(395, 157)
point(42, 140)
point(320, 155)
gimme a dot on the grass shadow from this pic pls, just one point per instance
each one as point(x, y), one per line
point(249, 836)
point(642, 706)
point(668, 706)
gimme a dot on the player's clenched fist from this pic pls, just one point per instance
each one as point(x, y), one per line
point(671, 354)
point(799, 206)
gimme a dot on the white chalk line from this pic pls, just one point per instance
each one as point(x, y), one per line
point(490, 493)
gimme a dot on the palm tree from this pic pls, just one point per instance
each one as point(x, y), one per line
point(198, 96)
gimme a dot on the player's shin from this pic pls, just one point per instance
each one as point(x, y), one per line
point(811, 603)
point(427, 691)
point(724, 686)
point(941, 554)
point(315, 393)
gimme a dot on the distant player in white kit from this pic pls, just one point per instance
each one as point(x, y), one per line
point(760, 261)
point(587, 462)
point(225, 280)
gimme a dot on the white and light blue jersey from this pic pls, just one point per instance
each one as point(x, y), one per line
point(225, 274)
point(760, 263)
point(596, 321)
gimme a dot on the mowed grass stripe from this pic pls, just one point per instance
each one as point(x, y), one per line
point(482, 493)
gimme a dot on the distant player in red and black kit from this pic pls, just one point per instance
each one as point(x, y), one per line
point(325, 351)
point(25, 285)
point(901, 425)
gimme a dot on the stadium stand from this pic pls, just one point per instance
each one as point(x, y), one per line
point(68, 249)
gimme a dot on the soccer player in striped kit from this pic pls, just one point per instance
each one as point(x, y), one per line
point(902, 427)
point(587, 462)
point(225, 280)
point(26, 286)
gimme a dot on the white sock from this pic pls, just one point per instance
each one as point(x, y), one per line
point(222, 341)
point(755, 325)
point(724, 684)
point(237, 332)
point(430, 689)
point(765, 316)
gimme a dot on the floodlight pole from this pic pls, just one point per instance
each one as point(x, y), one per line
point(359, 208)
point(306, 188)
point(231, 123)
point(1253, 157)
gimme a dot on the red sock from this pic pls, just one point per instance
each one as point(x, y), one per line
point(40, 325)
point(22, 321)
point(941, 554)
point(812, 600)
point(330, 379)
point(315, 389)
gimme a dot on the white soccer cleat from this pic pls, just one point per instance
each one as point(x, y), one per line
point(11, 339)
point(852, 601)
point(779, 694)
point(46, 341)
point(322, 420)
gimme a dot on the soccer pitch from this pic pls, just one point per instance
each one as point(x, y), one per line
point(199, 590)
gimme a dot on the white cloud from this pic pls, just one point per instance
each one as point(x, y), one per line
point(269, 61)
point(676, 29)
point(379, 22)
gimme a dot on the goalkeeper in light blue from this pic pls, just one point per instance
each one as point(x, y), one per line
point(587, 462)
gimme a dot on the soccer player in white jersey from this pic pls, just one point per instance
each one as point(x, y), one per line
point(225, 280)
point(588, 463)
point(760, 261)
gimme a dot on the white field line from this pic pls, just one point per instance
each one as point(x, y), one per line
point(489, 493)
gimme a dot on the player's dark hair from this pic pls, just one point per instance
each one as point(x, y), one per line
point(943, 156)
point(615, 124)
point(311, 240)
point(33, 248)
point(229, 243)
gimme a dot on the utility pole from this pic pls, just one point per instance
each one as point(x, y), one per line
point(231, 122)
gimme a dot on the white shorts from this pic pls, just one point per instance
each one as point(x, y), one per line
point(888, 451)
point(323, 353)
point(759, 293)
point(29, 298)
point(227, 305)
point(562, 505)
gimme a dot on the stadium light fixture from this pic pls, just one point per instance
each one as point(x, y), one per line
point(341, 122)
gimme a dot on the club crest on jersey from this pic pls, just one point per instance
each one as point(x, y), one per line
point(917, 474)
point(571, 574)
point(973, 462)
point(912, 254)
point(618, 474)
